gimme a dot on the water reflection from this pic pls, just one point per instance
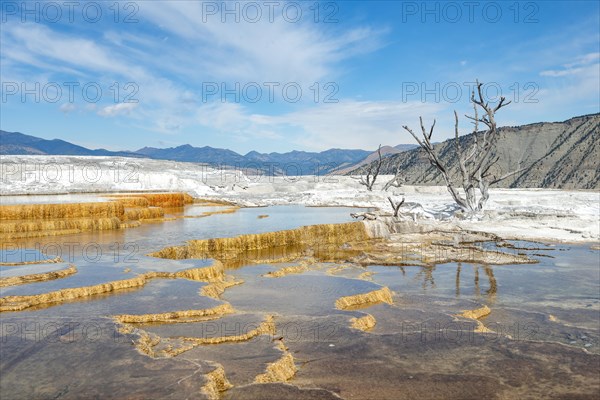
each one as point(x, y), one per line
point(559, 297)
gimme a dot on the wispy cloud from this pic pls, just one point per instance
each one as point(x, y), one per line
point(268, 50)
point(580, 65)
point(174, 49)
point(117, 109)
point(67, 108)
point(169, 64)
point(44, 48)
point(347, 124)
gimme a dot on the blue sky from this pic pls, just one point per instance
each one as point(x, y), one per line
point(164, 74)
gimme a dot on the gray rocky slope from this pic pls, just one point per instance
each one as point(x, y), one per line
point(561, 155)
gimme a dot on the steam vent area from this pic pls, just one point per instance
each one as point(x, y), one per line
point(163, 295)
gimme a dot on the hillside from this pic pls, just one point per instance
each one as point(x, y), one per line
point(291, 163)
point(386, 151)
point(561, 155)
point(16, 143)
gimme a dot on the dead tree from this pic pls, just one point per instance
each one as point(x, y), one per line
point(396, 206)
point(476, 162)
point(371, 172)
point(396, 181)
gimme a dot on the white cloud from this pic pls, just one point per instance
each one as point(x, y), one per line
point(67, 108)
point(42, 47)
point(264, 51)
point(579, 66)
point(117, 109)
point(347, 124)
point(585, 60)
point(170, 83)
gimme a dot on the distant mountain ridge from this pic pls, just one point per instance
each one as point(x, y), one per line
point(560, 155)
point(563, 155)
point(290, 163)
point(20, 144)
point(189, 153)
point(386, 151)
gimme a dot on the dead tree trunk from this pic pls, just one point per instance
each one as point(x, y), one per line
point(396, 181)
point(396, 206)
point(371, 172)
point(475, 164)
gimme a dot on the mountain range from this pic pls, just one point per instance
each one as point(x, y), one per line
point(290, 163)
point(560, 155)
point(20, 144)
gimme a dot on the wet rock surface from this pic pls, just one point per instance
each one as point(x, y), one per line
point(418, 315)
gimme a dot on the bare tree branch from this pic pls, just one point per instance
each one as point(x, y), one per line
point(396, 181)
point(371, 172)
point(507, 175)
point(396, 206)
point(435, 161)
point(475, 164)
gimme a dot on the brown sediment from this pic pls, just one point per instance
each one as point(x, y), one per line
point(51, 227)
point(33, 234)
point(336, 269)
point(281, 370)
point(129, 324)
point(165, 200)
point(267, 327)
point(475, 315)
point(54, 260)
point(216, 382)
point(383, 295)
point(169, 199)
point(224, 248)
point(134, 214)
point(296, 269)
point(263, 216)
point(481, 328)
point(203, 274)
point(366, 276)
point(155, 346)
point(217, 311)
point(216, 288)
point(45, 276)
point(146, 343)
point(123, 211)
point(106, 209)
point(205, 214)
point(229, 210)
point(132, 201)
point(18, 303)
point(268, 256)
point(365, 323)
point(213, 202)
point(131, 224)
